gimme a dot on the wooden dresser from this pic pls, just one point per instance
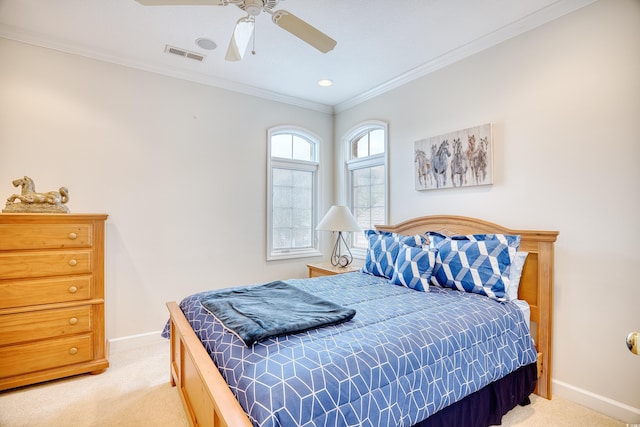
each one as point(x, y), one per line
point(51, 297)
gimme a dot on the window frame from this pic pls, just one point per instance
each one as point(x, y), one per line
point(299, 165)
point(350, 164)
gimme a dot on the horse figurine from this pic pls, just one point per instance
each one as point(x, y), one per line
point(31, 201)
point(440, 163)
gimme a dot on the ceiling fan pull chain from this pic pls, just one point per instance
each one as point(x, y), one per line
point(253, 48)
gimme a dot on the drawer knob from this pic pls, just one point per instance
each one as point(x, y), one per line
point(73, 350)
point(73, 320)
point(73, 262)
point(73, 236)
point(73, 289)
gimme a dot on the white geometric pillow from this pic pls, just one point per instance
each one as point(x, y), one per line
point(515, 274)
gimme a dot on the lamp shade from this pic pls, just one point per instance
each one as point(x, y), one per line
point(338, 218)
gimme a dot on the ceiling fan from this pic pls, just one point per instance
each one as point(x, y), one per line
point(245, 26)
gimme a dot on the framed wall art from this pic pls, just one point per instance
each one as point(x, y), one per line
point(462, 158)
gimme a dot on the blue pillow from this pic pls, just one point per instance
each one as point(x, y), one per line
point(478, 263)
point(434, 238)
point(383, 250)
point(413, 267)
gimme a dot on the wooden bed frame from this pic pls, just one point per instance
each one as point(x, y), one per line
point(209, 402)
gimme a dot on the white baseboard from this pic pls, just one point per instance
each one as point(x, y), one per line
point(134, 341)
point(604, 405)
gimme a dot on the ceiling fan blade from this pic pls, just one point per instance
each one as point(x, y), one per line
point(303, 31)
point(181, 2)
point(240, 39)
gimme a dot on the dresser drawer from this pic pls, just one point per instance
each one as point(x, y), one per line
point(21, 293)
point(45, 236)
point(37, 325)
point(32, 357)
point(14, 265)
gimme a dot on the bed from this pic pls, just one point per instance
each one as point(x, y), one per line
point(208, 398)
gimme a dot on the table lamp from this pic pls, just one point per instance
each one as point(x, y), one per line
point(340, 219)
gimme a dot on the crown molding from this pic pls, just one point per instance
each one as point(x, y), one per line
point(534, 20)
point(529, 22)
point(40, 41)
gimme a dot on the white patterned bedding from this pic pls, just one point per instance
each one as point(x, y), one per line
point(405, 355)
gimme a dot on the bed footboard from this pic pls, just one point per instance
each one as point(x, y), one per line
point(205, 395)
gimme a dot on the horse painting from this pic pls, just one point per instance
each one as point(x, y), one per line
point(440, 162)
point(464, 156)
point(458, 165)
point(480, 161)
point(423, 168)
point(477, 157)
point(31, 201)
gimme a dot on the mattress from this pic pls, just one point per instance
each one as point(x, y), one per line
point(404, 356)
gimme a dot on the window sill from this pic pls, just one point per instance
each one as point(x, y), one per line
point(294, 254)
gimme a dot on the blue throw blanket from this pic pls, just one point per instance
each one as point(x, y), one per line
point(259, 312)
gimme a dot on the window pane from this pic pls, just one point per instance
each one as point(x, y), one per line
point(302, 179)
point(361, 197)
point(368, 199)
point(361, 177)
point(282, 188)
point(302, 238)
point(361, 147)
point(377, 175)
point(376, 196)
point(369, 144)
point(292, 209)
point(301, 149)
point(360, 241)
point(376, 142)
point(281, 238)
point(282, 177)
point(281, 218)
point(281, 146)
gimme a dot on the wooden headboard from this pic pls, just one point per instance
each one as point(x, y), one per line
point(536, 284)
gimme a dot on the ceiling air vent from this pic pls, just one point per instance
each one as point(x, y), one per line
point(184, 53)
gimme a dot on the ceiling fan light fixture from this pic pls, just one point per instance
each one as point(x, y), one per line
point(240, 39)
point(244, 29)
point(325, 82)
point(253, 7)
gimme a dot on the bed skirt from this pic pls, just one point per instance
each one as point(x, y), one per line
point(487, 406)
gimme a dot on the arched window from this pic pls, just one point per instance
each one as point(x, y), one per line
point(293, 193)
point(366, 176)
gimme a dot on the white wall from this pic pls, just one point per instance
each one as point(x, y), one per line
point(564, 101)
point(179, 167)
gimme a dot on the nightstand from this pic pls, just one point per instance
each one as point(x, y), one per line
point(327, 269)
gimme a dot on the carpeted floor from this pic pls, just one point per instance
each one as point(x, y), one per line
point(135, 392)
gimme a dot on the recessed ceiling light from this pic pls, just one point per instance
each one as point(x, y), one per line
point(325, 82)
point(206, 44)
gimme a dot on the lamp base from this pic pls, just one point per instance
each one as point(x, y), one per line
point(339, 259)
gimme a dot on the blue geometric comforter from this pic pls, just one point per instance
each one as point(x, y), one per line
point(404, 356)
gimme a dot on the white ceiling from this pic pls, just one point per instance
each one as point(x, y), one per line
point(381, 43)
